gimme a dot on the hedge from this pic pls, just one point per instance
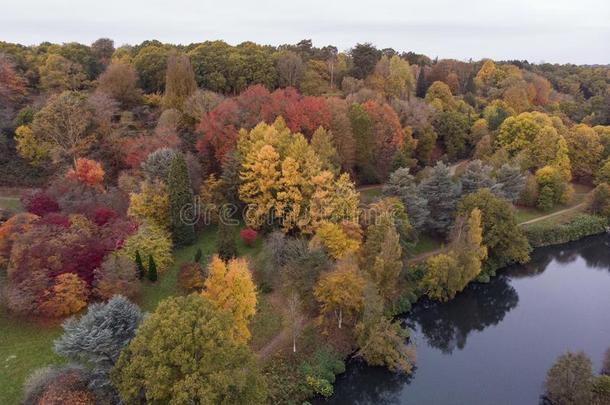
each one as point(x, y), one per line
point(547, 234)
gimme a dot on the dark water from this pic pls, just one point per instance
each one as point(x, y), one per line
point(494, 343)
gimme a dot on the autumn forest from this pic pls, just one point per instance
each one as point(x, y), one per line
point(209, 223)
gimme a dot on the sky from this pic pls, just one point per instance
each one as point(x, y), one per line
point(557, 31)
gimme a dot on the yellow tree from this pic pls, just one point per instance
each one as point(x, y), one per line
point(289, 197)
point(332, 200)
point(151, 204)
point(335, 241)
point(470, 250)
point(229, 287)
point(340, 292)
point(260, 177)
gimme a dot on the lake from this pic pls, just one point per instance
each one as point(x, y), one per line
point(494, 343)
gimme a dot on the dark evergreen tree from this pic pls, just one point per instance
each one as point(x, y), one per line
point(422, 84)
point(152, 269)
point(180, 201)
point(230, 178)
point(198, 255)
point(442, 194)
point(140, 266)
point(470, 84)
point(225, 242)
point(365, 57)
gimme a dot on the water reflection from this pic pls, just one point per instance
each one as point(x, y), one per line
point(471, 352)
point(447, 326)
point(374, 385)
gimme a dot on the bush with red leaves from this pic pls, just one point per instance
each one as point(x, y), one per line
point(103, 215)
point(40, 203)
point(248, 235)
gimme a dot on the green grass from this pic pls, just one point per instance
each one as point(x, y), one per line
point(370, 194)
point(524, 214)
point(26, 345)
point(425, 244)
point(11, 203)
point(267, 322)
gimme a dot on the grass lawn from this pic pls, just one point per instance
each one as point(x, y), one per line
point(524, 214)
point(267, 322)
point(26, 345)
point(425, 244)
point(11, 203)
point(369, 195)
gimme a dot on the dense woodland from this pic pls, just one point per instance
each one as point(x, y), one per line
point(270, 147)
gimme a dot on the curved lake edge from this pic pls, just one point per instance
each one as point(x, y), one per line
point(423, 304)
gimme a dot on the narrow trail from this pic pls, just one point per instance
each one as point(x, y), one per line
point(531, 221)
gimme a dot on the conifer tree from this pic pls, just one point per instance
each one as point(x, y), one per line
point(225, 242)
point(198, 254)
point(476, 176)
point(402, 185)
point(422, 84)
point(152, 269)
point(180, 199)
point(442, 194)
point(140, 266)
point(510, 181)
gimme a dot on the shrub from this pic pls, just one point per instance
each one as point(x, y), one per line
point(248, 235)
point(67, 296)
point(58, 385)
point(40, 203)
point(103, 215)
point(555, 234)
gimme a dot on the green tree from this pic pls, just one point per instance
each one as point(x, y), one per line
point(140, 265)
point(364, 138)
point(452, 128)
point(180, 201)
point(382, 342)
point(422, 84)
point(225, 242)
point(503, 238)
point(150, 63)
point(364, 57)
point(152, 269)
point(184, 353)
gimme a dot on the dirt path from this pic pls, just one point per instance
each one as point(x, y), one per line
point(531, 221)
